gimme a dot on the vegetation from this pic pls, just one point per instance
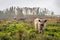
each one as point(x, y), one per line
point(17, 12)
point(25, 31)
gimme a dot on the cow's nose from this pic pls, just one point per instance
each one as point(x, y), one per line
point(42, 24)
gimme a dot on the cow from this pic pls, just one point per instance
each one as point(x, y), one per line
point(39, 24)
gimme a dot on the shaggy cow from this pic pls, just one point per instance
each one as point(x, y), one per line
point(39, 24)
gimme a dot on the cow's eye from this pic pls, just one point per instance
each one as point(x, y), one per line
point(39, 20)
point(45, 21)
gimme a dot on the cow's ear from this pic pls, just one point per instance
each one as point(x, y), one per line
point(39, 20)
point(45, 21)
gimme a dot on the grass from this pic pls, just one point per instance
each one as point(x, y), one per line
point(25, 31)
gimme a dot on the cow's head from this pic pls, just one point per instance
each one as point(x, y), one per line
point(42, 21)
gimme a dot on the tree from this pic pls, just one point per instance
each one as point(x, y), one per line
point(19, 13)
point(12, 12)
point(52, 13)
point(1, 15)
point(44, 11)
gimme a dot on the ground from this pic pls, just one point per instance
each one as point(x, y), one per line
point(19, 30)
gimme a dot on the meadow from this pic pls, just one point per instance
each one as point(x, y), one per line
point(19, 30)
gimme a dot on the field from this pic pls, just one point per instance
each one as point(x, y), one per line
point(19, 30)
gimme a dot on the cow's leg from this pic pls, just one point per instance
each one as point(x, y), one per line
point(39, 26)
point(36, 26)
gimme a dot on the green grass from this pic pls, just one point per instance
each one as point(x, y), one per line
point(25, 31)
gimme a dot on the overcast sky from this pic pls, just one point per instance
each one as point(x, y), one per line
point(52, 5)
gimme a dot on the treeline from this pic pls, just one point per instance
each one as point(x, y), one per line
point(16, 12)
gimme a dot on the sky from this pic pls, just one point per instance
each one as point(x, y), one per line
point(52, 5)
